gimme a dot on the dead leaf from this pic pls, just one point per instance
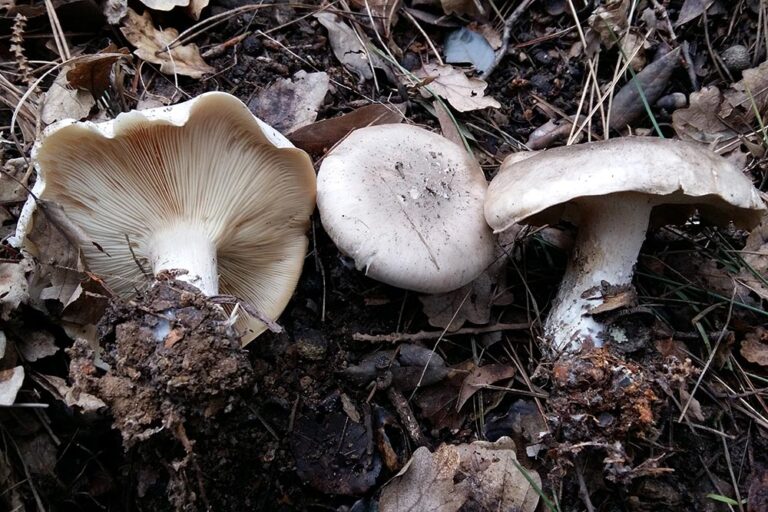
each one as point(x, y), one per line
point(713, 116)
point(63, 102)
point(347, 46)
point(477, 476)
point(290, 104)
point(463, 93)
point(691, 10)
point(700, 122)
point(115, 10)
point(59, 388)
point(14, 288)
point(10, 383)
point(754, 347)
point(151, 45)
point(91, 73)
point(470, 303)
point(323, 135)
point(36, 344)
point(461, 7)
point(54, 241)
point(383, 12)
point(609, 21)
point(628, 103)
point(482, 377)
point(694, 411)
point(447, 123)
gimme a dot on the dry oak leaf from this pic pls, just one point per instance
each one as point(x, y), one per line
point(151, 45)
point(477, 476)
point(463, 93)
point(754, 347)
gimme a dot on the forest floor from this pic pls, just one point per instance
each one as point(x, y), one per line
point(327, 414)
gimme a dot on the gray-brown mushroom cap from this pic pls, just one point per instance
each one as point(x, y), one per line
point(407, 205)
point(536, 189)
point(614, 187)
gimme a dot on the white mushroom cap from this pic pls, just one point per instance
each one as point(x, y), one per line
point(407, 205)
point(615, 185)
point(202, 186)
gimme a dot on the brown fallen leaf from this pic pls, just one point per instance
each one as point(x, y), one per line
point(59, 388)
point(321, 136)
point(715, 115)
point(754, 347)
point(383, 12)
point(63, 102)
point(628, 103)
point(461, 7)
point(476, 476)
point(289, 104)
point(482, 377)
point(91, 73)
point(152, 46)
point(609, 21)
point(463, 93)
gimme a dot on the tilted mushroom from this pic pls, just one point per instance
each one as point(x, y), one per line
point(614, 186)
point(202, 187)
point(407, 205)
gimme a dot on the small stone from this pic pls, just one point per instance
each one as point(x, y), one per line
point(736, 58)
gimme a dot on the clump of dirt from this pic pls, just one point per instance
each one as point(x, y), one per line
point(172, 363)
point(598, 395)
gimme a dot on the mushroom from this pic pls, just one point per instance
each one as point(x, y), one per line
point(614, 187)
point(202, 188)
point(407, 205)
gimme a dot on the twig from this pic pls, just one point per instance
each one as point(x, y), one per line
point(430, 335)
point(404, 411)
point(505, 35)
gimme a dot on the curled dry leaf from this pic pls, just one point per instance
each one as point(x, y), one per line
point(463, 93)
point(714, 115)
point(348, 47)
point(477, 476)
point(609, 21)
point(754, 347)
point(383, 12)
point(164, 5)
point(290, 104)
point(13, 286)
point(628, 103)
point(482, 377)
point(322, 135)
point(152, 46)
point(59, 388)
point(64, 102)
point(10, 383)
point(91, 73)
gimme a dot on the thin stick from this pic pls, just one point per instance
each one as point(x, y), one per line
point(431, 335)
point(505, 35)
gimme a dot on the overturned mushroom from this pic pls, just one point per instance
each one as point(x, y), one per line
point(406, 205)
point(614, 186)
point(202, 189)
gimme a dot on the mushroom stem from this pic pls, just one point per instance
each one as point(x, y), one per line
point(186, 247)
point(611, 233)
